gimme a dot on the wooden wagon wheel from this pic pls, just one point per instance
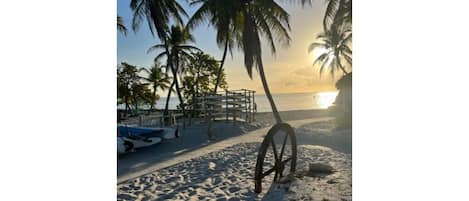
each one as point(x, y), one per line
point(275, 143)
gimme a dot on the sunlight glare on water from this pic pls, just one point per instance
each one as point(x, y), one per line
point(325, 99)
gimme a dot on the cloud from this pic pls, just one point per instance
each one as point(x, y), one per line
point(307, 71)
point(282, 77)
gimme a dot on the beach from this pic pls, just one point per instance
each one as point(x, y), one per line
point(193, 168)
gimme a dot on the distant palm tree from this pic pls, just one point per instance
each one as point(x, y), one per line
point(158, 14)
point(222, 15)
point(335, 44)
point(157, 79)
point(120, 25)
point(179, 53)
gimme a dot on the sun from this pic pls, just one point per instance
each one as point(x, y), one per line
point(326, 99)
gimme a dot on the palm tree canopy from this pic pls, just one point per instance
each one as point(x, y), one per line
point(261, 18)
point(156, 77)
point(177, 39)
point(157, 13)
point(337, 12)
point(243, 24)
point(335, 44)
point(222, 15)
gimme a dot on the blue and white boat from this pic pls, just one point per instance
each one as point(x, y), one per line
point(132, 137)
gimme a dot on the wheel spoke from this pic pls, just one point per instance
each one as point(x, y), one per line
point(268, 172)
point(275, 151)
point(283, 146)
point(283, 164)
point(286, 161)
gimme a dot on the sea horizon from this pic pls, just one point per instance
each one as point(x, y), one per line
point(283, 101)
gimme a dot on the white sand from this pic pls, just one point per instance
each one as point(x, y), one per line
point(224, 170)
point(336, 186)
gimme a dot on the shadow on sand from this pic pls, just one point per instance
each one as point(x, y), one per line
point(192, 138)
point(325, 134)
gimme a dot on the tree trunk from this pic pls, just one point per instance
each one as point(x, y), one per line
point(220, 70)
point(166, 107)
point(267, 91)
point(196, 82)
point(136, 104)
point(195, 88)
point(178, 90)
point(170, 64)
point(127, 108)
point(153, 98)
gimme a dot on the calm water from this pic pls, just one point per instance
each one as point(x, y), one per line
point(284, 102)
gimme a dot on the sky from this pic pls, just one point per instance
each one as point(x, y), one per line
point(289, 71)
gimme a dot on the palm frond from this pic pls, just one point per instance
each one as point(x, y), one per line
point(155, 47)
point(315, 45)
point(330, 12)
point(160, 56)
point(321, 58)
point(120, 25)
point(348, 58)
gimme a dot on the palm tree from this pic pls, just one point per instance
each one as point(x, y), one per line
point(158, 14)
point(222, 15)
point(242, 23)
point(335, 44)
point(157, 79)
point(262, 18)
point(179, 53)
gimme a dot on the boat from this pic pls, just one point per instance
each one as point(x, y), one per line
point(132, 137)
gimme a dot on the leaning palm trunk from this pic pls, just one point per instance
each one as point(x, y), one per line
point(267, 91)
point(178, 89)
point(220, 70)
point(166, 107)
point(170, 64)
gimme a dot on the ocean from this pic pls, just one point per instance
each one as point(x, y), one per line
point(284, 102)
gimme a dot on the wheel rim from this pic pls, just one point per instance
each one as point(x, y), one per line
point(275, 146)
